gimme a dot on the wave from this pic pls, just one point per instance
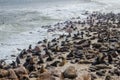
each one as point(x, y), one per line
point(16, 20)
point(16, 23)
point(108, 2)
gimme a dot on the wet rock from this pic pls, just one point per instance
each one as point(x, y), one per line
point(70, 73)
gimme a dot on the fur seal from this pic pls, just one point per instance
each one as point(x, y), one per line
point(64, 61)
point(42, 69)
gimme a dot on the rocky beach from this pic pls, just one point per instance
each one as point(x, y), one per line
point(89, 49)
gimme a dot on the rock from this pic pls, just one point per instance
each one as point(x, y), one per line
point(70, 73)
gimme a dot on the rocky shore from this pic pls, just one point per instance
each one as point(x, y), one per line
point(89, 51)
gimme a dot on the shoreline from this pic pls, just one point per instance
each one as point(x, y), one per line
point(15, 47)
point(89, 51)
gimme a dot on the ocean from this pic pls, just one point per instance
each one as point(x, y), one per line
point(21, 20)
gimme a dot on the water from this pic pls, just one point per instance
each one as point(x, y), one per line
point(20, 17)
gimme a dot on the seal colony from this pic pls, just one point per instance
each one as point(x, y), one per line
point(90, 51)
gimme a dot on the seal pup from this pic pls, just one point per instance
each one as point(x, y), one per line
point(70, 55)
point(64, 61)
point(18, 61)
point(40, 60)
point(30, 48)
point(110, 59)
point(42, 69)
point(100, 59)
point(21, 72)
point(50, 58)
point(55, 63)
point(22, 53)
